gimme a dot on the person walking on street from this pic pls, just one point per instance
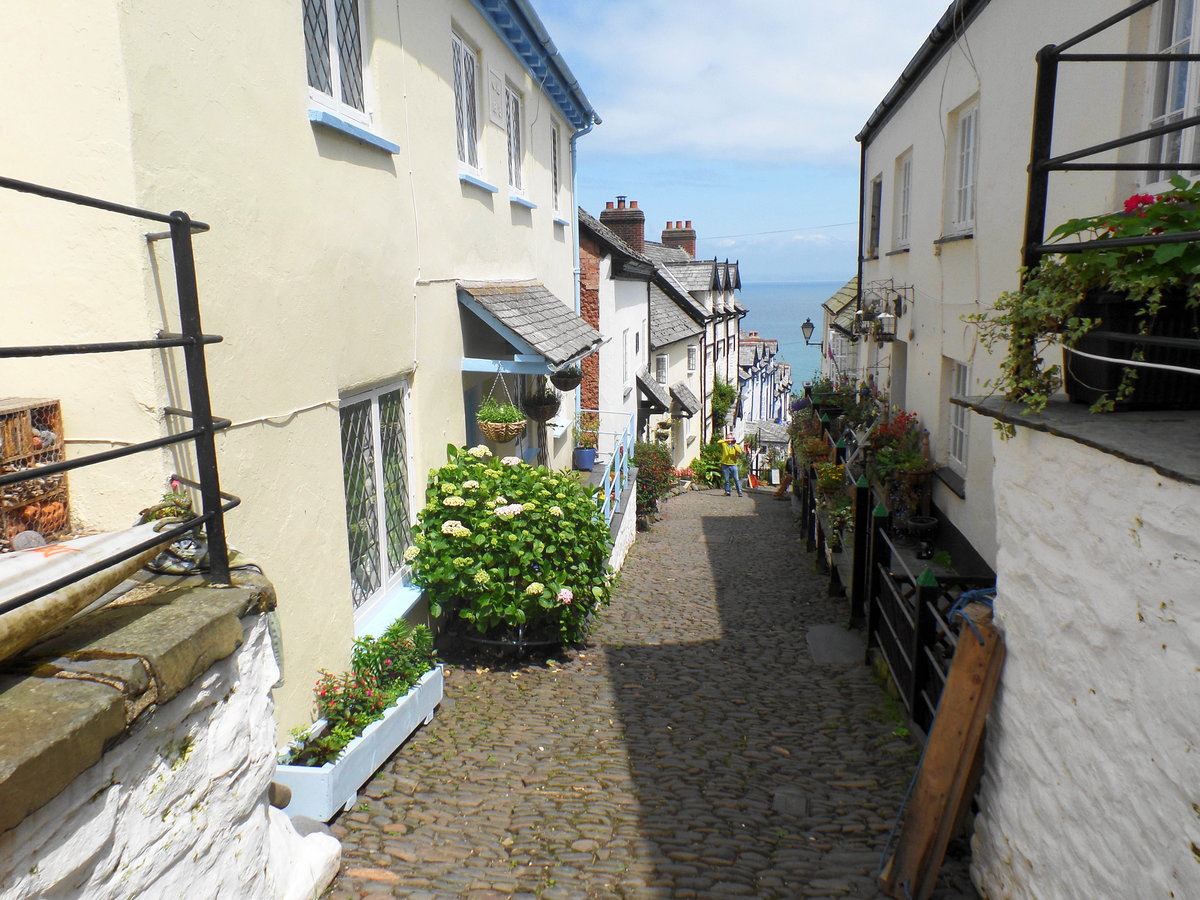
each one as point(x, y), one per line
point(730, 452)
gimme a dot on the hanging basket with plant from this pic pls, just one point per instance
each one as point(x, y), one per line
point(567, 378)
point(500, 421)
point(1126, 316)
point(542, 404)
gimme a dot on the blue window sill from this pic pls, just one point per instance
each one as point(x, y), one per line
point(478, 182)
point(336, 123)
point(559, 220)
point(521, 201)
point(395, 604)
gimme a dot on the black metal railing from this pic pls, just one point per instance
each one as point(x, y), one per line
point(192, 340)
point(900, 600)
point(1042, 164)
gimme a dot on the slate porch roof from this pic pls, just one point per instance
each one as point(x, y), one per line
point(669, 323)
point(843, 298)
point(655, 392)
point(688, 402)
point(534, 315)
point(771, 432)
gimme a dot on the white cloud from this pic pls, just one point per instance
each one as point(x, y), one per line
point(756, 80)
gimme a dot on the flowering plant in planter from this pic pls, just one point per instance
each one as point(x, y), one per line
point(502, 545)
point(383, 669)
point(1047, 306)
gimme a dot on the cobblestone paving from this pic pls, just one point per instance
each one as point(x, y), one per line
point(692, 750)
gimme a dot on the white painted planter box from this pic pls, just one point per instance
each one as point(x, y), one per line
point(319, 792)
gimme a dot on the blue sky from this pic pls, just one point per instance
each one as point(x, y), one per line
point(739, 116)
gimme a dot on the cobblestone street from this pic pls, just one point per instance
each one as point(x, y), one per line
point(693, 749)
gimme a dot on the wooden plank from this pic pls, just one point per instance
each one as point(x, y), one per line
point(947, 769)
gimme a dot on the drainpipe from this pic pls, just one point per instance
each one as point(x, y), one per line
point(575, 136)
point(862, 199)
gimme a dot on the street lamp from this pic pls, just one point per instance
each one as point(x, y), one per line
point(807, 329)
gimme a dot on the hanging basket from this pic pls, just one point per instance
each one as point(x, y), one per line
point(566, 382)
point(502, 432)
point(541, 412)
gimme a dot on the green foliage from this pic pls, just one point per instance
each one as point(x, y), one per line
point(587, 427)
point(1028, 320)
point(501, 544)
point(655, 475)
point(494, 411)
point(707, 466)
point(383, 670)
point(543, 395)
point(724, 395)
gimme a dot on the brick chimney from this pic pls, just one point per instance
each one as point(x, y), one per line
point(628, 222)
point(681, 235)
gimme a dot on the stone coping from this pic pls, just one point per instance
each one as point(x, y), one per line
point(1164, 440)
point(63, 701)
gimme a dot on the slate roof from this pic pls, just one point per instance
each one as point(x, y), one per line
point(687, 401)
point(535, 315)
point(694, 275)
point(771, 432)
point(843, 298)
point(658, 395)
point(662, 254)
point(747, 354)
point(669, 323)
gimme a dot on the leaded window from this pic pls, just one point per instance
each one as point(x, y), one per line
point(903, 200)
point(334, 50)
point(693, 358)
point(378, 500)
point(512, 116)
point(466, 102)
point(1175, 92)
point(660, 368)
point(555, 173)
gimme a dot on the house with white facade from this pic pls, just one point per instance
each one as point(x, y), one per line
point(764, 381)
point(389, 200)
point(1084, 518)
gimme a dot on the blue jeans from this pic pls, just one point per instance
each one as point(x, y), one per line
point(730, 474)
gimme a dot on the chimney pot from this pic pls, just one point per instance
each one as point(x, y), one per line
point(678, 223)
point(688, 224)
point(620, 202)
point(608, 205)
point(633, 204)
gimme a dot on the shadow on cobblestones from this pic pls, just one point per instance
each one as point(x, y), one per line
point(692, 750)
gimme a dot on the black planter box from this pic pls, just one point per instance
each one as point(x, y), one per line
point(1089, 380)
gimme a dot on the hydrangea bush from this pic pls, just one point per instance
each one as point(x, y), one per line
point(501, 545)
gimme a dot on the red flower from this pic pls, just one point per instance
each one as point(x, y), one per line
point(1137, 201)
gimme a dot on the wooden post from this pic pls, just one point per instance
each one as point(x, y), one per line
point(839, 451)
point(861, 560)
point(924, 634)
point(810, 510)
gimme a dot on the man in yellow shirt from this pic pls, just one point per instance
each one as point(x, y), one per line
point(730, 452)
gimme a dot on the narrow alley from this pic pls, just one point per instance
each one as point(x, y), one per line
point(693, 749)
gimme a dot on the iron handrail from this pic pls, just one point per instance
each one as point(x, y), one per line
point(192, 340)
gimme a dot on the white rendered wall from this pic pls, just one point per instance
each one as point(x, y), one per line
point(178, 808)
point(1093, 753)
point(329, 269)
point(993, 64)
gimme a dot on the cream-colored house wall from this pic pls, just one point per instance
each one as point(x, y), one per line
point(329, 267)
point(685, 438)
point(994, 67)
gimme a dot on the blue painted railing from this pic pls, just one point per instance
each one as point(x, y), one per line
point(617, 446)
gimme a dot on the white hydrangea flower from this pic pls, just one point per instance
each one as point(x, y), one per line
point(480, 452)
point(556, 511)
point(453, 501)
point(536, 588)
point(511, 460)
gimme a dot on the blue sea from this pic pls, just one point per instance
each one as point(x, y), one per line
point(776, 310)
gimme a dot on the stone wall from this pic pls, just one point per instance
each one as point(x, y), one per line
point(1092, 779)
point(176, 806)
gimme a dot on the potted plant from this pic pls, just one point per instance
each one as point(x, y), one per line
point(541, 404)
point(393, 687)
point(587, 431)
point(500, 422)
point(1100, 301)
point(567, 378)
point(512, 553)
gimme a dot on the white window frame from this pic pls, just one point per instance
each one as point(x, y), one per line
point(903, 226)
point(333, 100)
point(693, 358)
point(874, 216)
point(965, 169)
point(625, 360)
point(513, 117)
point(960, 385)
point(465, 72)
point(661, 367)
point(556, 165)
point(1174, 87)
point(389, 578)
